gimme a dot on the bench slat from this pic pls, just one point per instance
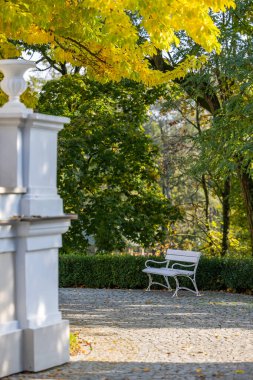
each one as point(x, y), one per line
point(180, 252)
point(182, 258)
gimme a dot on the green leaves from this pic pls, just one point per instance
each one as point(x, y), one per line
point(108, 166)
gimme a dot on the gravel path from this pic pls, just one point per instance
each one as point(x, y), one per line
point(133, 334)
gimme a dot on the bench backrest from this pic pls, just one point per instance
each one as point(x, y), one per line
point(182, 256)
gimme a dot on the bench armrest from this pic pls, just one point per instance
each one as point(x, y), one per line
point(154, 261)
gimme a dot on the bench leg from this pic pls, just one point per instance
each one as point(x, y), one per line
point(167, 282)
point(184, 288)
point(150, 282)
point(195, 286)
point(177, 287)
point(167, 286)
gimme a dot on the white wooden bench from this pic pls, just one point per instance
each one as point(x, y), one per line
point(184, 264)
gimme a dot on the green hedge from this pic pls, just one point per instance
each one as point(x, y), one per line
point(125, 272)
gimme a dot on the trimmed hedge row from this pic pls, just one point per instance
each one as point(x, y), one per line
point(125, 272)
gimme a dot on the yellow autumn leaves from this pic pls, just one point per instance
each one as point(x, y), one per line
point(101, 36)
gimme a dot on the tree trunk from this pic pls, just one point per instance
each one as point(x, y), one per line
point(165, 164)
point(247, 189)
point(225, 216)
point(206, 194)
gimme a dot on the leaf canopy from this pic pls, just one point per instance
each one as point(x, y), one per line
point(104, 37)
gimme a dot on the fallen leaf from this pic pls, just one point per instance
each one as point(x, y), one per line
point(239, 371)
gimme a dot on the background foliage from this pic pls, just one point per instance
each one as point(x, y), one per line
point(125, 271)
point(186, 181)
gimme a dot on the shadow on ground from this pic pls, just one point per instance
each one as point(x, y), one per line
point(137, 309)
point(81, 370)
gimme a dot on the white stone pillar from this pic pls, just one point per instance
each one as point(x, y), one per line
point(33, 335)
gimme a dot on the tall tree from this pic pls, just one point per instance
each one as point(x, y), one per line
point(179, 126)
point(108, 167)
point(224, 78)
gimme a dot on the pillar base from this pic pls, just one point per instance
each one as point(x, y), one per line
point(46, 346)
point(34, 349)
point(11, 353)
